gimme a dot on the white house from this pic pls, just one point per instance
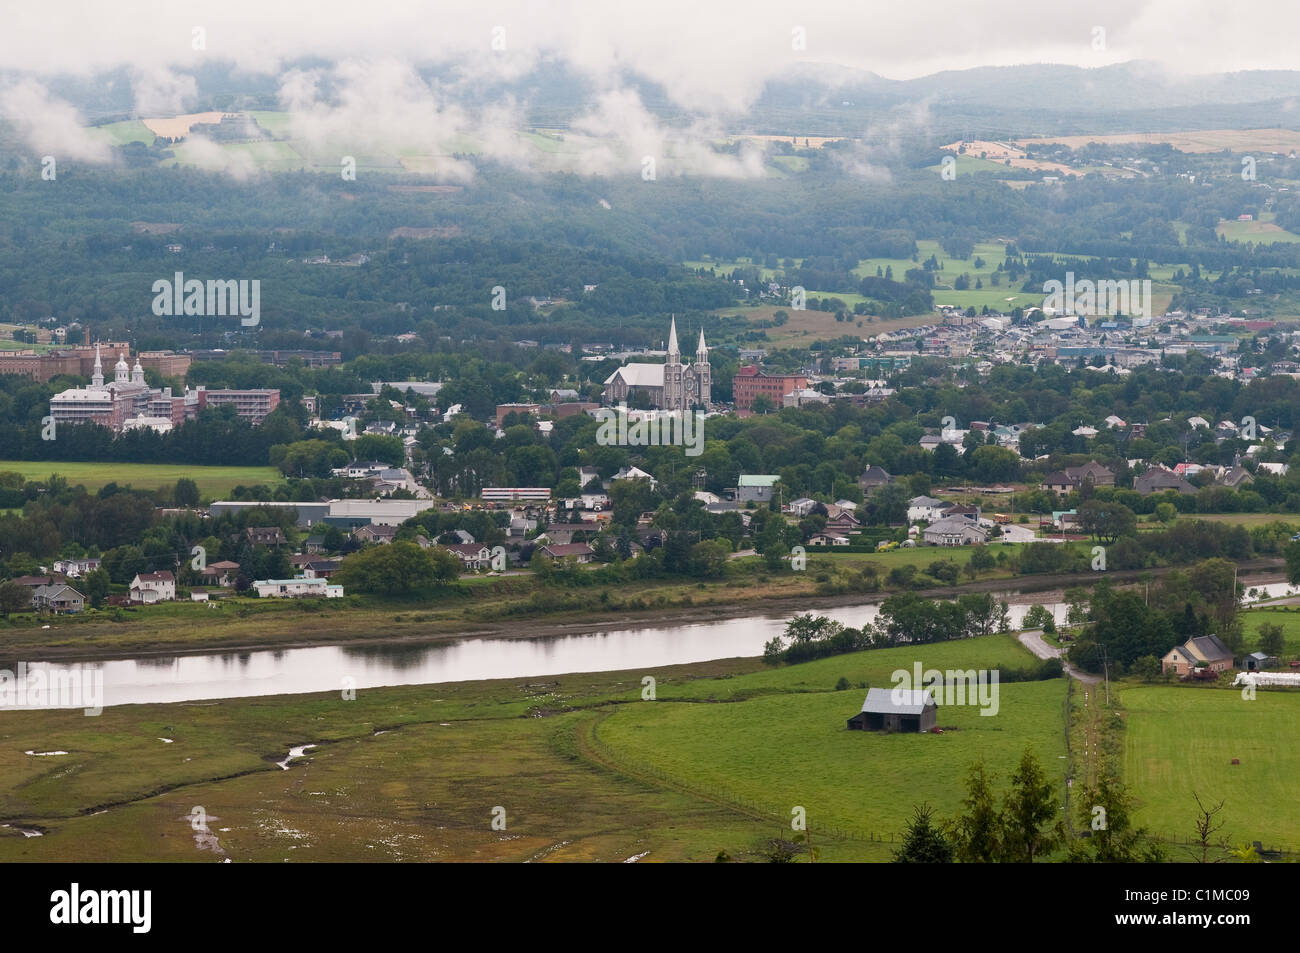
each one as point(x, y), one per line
point(76, 568)
point(150, 587)
point(925, 509)
point(802, 506)
point(954, 531)
point(296, 588)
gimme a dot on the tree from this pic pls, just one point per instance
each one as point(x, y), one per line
point(397, 568)
point(976, 835)
point(1033, 824)
point(1107, 522)
point(1293, 563)
point(1147, 667)
point(1207, 825)
point(186, 493)
point(1271, 641)
point(1039, 617)
point(96, 583)
point(14, 597)
point(1106, 810)
point(923, 841)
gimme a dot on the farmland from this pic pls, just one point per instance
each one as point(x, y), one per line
point(1181, 740)
point(414, 773)
point(213, 482)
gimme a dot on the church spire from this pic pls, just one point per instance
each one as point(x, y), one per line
point(674, 353)
point(701, 351)
point(97, 378)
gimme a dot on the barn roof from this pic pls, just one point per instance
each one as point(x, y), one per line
point(897, 701)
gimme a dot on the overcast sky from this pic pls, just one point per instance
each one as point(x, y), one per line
point(712, 56)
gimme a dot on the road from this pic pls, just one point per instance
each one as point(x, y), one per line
point(1033, 640)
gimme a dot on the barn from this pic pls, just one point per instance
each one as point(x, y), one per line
point(895, 710)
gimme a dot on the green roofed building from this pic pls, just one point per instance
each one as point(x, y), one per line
point(755, 487)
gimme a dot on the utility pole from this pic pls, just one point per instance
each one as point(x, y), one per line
point(1105, 667)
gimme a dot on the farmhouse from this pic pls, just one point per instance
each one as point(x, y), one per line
point(897, 709)
point(1207, 649)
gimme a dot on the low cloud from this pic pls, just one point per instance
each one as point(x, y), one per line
point(49, 125)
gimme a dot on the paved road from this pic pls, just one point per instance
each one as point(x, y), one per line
point(1033, 640)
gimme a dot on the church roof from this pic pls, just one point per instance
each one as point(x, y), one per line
point(640, 375)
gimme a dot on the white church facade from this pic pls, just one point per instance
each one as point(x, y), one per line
point(668, 386)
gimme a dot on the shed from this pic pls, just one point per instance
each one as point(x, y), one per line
point(1258, 661)
point(896, 709)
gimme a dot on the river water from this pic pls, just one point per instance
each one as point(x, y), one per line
point(178, 678)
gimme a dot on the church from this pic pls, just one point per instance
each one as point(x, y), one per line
point(669, 386)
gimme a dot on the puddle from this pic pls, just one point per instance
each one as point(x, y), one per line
point(25, 831)
point(44, 754)
point(294, 754)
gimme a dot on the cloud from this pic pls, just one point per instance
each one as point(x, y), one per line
point(49, 125)
point(159, 91)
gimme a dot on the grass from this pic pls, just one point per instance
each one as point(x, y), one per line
point(1288, 618)
point(122, 133)
point(213, 482)
point(425, 787)
point(1181, 740)
point(1264, 233)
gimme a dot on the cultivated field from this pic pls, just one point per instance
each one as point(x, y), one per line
point(1208, 140)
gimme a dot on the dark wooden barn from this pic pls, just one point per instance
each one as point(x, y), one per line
point(896, 709)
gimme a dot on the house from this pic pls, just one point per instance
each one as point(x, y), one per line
point(1071, 478)
point(802, 506)
point(755, 487)
point(58, 598)
point(321, 568)
point(828, 539)
point(1235, 477)
point(265, 535)
point(1258, 661)
point(890, 710)
point(578, 552)
point(954, 531)
point(221, 573)
point(315, 544)
point(634, 473)
point(472, 555)
point(76, 568)
point(925, 509)
point(872, 479)
point(844, 522)
point(150, 587)
point(375, 533)
point(1158, 480)
point(296, 588)
point(1206, 651)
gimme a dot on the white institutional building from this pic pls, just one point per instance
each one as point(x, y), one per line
point(671, 385)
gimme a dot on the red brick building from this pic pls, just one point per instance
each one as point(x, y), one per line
point(749, 382)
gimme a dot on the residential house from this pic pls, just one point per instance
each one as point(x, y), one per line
point(1206, 651)
point(265, 535)
point(577, 552)
point(872, 479)
point(76, 568)
point(925, 509)
point(472, 555)
point(374, 533)
point(58, 598)
point(296, 588)
point(1071, 478)
point(221, 573)
point(150, 587)
point(954, 531)
point(828, 539)
point(1159, 480)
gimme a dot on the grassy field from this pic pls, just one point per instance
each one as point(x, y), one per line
point(1261, 232)
point(1288, 618)
point(214, 482)
point(414, 773)
point(1181, 740)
